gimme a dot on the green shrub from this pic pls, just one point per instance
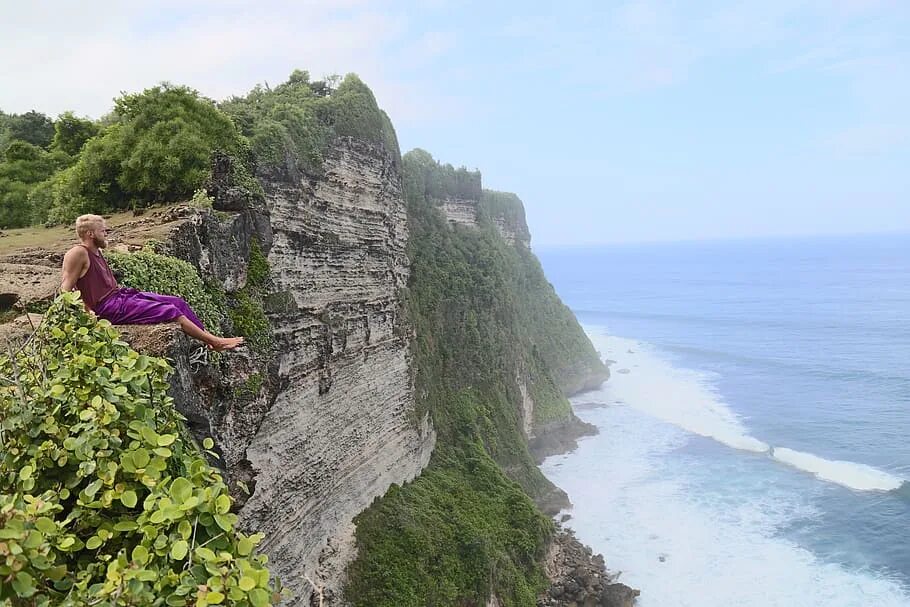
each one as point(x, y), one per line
point(250, 321)
point(148, 271)
point(246, 307)
point(453, 536)
point(158, 148)
point(257, 274)
point(22, 167)
point(250, 388)
point(103, 499)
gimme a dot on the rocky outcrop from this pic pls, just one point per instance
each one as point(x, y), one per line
point(459, 211)
point(513, 232)
point(22, 285)
point(508, 220)
point(582, 379)
point(560, 436)
point(580, 579)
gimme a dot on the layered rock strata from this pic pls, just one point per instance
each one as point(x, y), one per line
point(341, 429)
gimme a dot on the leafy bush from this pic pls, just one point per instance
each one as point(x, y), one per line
point(250, 321)
point(148, 271)
point(71, 133)
point(257, 273)
point(246, 308)
point(22, 167)
point(158, 148)
point(103, 499)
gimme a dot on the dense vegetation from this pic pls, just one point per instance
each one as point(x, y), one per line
point(245, 307)
point(290, 127)
point(154, 146)
point(104, 500)
point(158, 145)
point(467, 527)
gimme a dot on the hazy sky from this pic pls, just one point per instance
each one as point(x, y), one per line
point(614, 121)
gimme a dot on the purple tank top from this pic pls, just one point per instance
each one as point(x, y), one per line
point(98, 282)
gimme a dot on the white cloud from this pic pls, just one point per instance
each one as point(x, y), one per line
point(79, 56)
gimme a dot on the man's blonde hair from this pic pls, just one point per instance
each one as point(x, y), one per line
point(87, 223)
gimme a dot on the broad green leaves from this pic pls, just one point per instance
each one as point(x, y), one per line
point(103, 497)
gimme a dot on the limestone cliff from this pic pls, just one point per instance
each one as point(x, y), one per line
point(342, 427)
point(336, 426)
point(564, 351)
point(357, 374)
point(465, 532)
point(314, 426)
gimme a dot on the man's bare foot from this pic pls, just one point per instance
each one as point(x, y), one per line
point(225, 343)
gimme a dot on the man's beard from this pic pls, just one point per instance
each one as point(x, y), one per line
point(101, 243)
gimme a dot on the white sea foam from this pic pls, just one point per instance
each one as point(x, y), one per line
point(859, 477)
point(692, 537)
point(674, 395)
point(686, 399)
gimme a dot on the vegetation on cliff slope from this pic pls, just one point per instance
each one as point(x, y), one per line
point(291, 126)
point(467, 527)
point(104, 500)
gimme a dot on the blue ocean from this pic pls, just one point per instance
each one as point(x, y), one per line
point(754, 440)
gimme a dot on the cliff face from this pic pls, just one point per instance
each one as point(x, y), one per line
point(466, 531)
point(508, 218)
point(342, 427)
point(565, 352)
point(329, 422)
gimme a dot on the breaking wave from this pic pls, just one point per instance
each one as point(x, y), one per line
point(643, 380)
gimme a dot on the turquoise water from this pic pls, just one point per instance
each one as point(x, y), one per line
point(754, 440)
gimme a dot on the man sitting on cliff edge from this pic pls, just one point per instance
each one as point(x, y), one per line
point(85, 270)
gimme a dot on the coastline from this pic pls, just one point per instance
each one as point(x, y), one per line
point(577, 575)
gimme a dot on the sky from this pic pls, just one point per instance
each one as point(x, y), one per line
point(614, 121)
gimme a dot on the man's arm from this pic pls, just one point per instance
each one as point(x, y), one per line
point(75, 265)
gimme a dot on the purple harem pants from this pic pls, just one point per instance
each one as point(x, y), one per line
point(127, 306)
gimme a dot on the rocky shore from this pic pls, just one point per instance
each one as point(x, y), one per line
point(580, 578)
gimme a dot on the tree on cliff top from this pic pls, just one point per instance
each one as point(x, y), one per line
point(32, 127)
point(22, 166)
point(71, 133)
point(291, 125)
point(425, 177)
point(158, 148)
